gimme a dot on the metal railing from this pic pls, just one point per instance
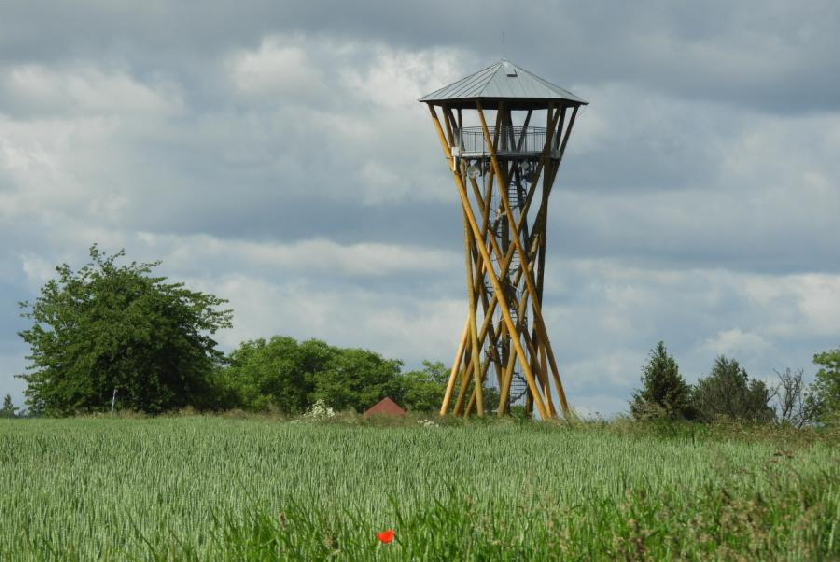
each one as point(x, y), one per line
point(512, 140)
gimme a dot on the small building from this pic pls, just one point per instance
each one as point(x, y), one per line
point(385, 407)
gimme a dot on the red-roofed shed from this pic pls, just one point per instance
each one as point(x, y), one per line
point(385, 407)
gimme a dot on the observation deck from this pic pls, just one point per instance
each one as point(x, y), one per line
point(513, 142)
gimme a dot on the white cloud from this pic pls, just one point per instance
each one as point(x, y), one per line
point(320, 256)
point(819, 301)
point(352, 106)
point(277, 67)
point(38, 270)
point(11, 364)
point(89, 90)
point(353, 317)
point(798, 305)
point(56, 166)
point(397, 78)
point(736, 342)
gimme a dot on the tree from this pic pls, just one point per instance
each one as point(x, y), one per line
point(278, 373)
point(824, 393)
point(423, 389)
point(116, 328)
point(664, 392)
point(8, 410)
point(728, 391)
point(358, 379)
point(289, 376)
point(790, 398)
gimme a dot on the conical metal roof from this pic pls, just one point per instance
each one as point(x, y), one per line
point(519, 88)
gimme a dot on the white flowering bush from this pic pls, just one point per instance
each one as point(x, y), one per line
point(319, 411)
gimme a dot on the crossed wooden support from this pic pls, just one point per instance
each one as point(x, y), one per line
point(508, 253)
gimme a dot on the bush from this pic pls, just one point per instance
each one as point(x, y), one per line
point(728, 391)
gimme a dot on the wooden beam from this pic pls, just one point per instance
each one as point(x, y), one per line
point(469, 358)
point(456, 366)
point(472, 401)
point(497, 287)
point(524, 130)
point(469, 242)
point(441, 137)
point(480, 264)
point(529, 283)
point(447, 119)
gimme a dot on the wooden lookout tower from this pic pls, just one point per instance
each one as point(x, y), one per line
point(503, 131)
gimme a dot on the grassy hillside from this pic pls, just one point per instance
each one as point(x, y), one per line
point(213, 488)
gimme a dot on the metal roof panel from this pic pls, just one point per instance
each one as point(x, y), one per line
point(503, 80)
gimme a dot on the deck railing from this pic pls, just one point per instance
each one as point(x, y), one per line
point(512, 140)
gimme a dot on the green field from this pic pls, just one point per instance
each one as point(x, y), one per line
point(226, 489)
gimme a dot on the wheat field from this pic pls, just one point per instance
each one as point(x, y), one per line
point(210, 488)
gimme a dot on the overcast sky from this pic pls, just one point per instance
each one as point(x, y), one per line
point(274, 153)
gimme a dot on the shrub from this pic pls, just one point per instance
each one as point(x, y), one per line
point(728, 391)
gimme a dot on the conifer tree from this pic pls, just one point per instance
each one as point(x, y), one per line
point(729, 391)
point(8, 409)
point(664, 393)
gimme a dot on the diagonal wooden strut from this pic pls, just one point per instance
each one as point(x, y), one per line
point(521, 340)
point(485, 256)
point(539, 322)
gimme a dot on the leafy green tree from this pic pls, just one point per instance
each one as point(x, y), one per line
point(8, 410)
point(824, 393)
point(358, 379)
point(109, 327)
point(664, 393)
point(728, 391)
point(423, 389)
point(289, 376)
point(278, 373)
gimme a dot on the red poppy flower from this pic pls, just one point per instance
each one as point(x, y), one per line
point(385, 536)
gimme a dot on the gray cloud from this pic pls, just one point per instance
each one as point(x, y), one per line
point(776, 55)
point(275, 154)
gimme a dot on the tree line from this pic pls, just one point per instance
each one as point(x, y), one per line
point(115, 336)
point(728, 391)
